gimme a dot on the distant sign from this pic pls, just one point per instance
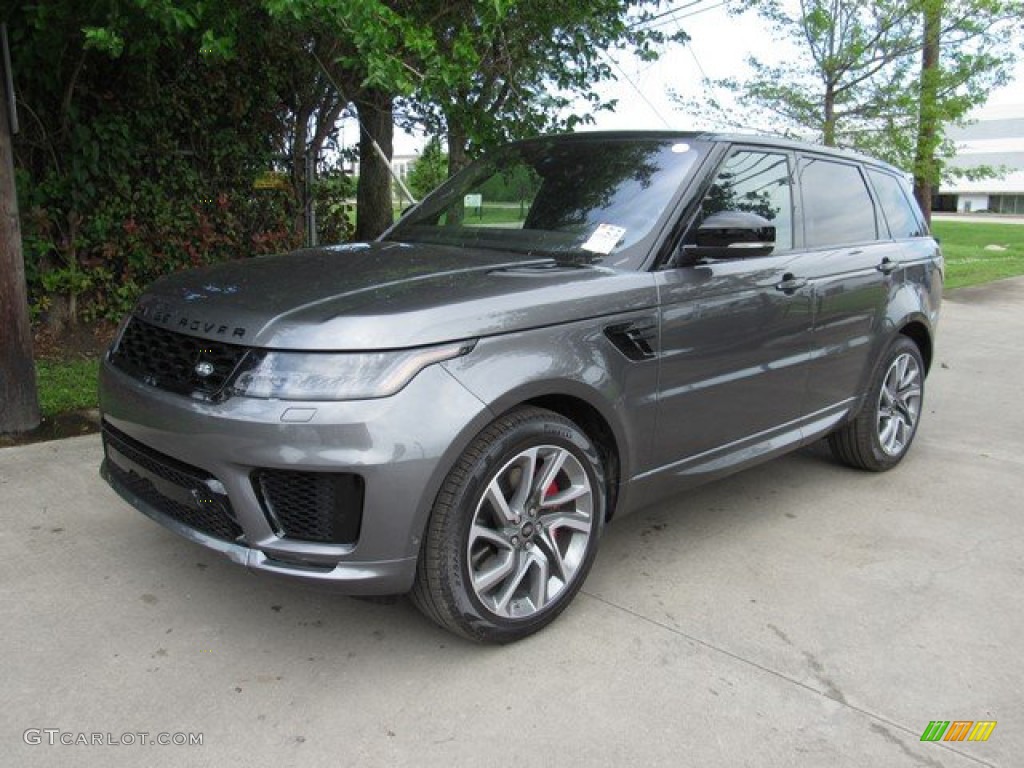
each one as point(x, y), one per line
point(473, 201)
point(271, 180)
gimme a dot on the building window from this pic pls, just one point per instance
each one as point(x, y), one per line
point(1006, 204)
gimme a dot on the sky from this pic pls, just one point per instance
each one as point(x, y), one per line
point(719, 47)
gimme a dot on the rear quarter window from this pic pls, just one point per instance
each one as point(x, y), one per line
point(901, 214)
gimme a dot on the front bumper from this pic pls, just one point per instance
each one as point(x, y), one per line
point(400, 447)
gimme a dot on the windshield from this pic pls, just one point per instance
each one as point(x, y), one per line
point(578, 199)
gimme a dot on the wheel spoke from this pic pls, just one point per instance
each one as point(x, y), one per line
point(561, 498)
point(552, 466)
point(484, 580)
point(911, 393)
point(498, 502)
point(554, 555)
point(539, 580)
point(522, 567)
point(901, 368)
point(906, 412)
point(480, 533)
point(892, 380)
point(888, 434)
point(527, 464)
point(902, 431)
point(909, 376)
point(572, 520)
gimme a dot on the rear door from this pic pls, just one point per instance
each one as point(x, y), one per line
point(853, 266)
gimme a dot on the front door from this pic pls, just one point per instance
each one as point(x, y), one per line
point(734, 332)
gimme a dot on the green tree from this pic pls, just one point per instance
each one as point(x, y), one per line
point(429, 170)
point(131, 161)
point(854, 59)
point(967, 49)
point(505, 70)
point(858, 80)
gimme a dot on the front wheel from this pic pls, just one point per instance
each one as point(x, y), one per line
point(881, 434)
point(514, 529)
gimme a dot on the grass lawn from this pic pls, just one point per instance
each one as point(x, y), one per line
point(66, 385)
point(967, 260)
point(495, 214)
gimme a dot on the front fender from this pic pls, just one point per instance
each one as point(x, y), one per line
point(575, 361)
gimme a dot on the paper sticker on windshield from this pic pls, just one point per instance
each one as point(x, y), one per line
point(604, 239)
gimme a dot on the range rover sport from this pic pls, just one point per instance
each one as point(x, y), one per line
point(572, 328)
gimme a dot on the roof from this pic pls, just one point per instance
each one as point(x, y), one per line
point(763, 140)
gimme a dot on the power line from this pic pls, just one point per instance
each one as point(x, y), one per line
point(636, 88)
point(663, 14)
point(377, 148)
point(691, 14)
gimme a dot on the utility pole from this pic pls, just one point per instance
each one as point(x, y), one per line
point(19, 403)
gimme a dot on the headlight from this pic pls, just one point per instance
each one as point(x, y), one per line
point(339, 375)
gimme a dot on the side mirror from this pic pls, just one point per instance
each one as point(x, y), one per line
point(733, 235)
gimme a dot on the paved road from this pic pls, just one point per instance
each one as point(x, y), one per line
point(979, 218)
point(798, 614)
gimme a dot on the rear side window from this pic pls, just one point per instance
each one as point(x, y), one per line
point(899, 212)
point(837, 206)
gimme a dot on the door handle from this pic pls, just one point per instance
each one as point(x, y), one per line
point(790, 283)
point(888, 266)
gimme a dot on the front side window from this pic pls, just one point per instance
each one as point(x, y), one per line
point(754, 182)
point(837, 206)
point(573, 198)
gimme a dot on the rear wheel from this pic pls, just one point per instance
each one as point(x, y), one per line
point(514, 529)
point(881, 434)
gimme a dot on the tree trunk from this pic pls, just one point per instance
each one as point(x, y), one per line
point(19, 404)
point(457, 156)
point(928, 128)
point(298, 175)
point(457, 160)
point(373, 191)
point(828, 137)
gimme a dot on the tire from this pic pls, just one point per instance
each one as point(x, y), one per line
point(880, 435)
point(514, 529)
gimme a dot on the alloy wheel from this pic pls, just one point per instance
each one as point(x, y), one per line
point(530, 531)
point(899, 404)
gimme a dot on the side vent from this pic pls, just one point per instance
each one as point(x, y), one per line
point(635, 339)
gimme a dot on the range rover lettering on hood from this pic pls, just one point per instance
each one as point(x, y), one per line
point(161, 316)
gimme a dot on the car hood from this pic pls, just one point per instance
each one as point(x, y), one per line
point(385, 295)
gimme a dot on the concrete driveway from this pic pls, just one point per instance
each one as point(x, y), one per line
point(798, 614)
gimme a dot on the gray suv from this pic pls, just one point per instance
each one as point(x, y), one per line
point(570, 329)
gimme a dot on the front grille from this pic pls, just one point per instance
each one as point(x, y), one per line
point(312, 506)
point(180, 491)
point(168, 360)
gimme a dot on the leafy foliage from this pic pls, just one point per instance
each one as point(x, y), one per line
point(857, 80)
point(503, 70)
point(131, 161)
point(429, 170)
point(146, 122)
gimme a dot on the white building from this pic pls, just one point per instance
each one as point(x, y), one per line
point(996, 140)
